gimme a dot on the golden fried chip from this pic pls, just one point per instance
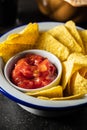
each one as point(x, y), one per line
point(70, 25)
point(74, 62)
point(7, 51)
point(76, 96)
point(83, 72)
point(18, 42)
point(28, 35)
point(62, 34)
point(43, 98)
point(12, 36)
point(66, 72)
point(83, 34)
point(30, 28)
point(78, 84)
point(78, 58)
point(56, 91)
point(49, 43)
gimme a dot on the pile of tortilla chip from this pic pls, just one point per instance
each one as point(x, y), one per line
point(19, 41)
point(68, 43)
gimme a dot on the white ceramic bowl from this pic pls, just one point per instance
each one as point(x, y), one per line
point(52, 58)
point(31, 104)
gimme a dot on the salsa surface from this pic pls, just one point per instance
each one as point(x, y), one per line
point(33, 71)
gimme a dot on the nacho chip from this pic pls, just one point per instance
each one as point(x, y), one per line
point(66, 72)
point(76, 96)
point(7, 51)
point(28, 35)
point(43, 98)
point(12, 36)
point(49, 43)
point(56, 91)
point(19, 42)
point(30, 28)
point(83, 34)
point(78, 83)
point(62, 34)
point(70, 25)
point(83, 72)
point(78, 58)
point(74, 62)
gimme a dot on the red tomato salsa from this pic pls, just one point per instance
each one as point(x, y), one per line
point(33, 71)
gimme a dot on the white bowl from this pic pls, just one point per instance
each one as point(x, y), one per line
point(31, 104)
point(52, 58)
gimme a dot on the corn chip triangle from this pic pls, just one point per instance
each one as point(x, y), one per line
point(76, 96)
point(19, 41)
point(70, 25)
point(49, 43)
point(62, 34)
point(56, 91)
point(83, 34)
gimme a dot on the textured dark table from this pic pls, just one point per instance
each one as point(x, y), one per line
point(13, 117)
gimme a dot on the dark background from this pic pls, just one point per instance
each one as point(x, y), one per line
point(13, 117)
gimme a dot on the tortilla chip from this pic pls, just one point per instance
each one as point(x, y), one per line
point(12, 36)
point(70, 25)
point(77, 96)
point(83, 34)
point(78, 58)
point(7, 51)
point(66, 72)
point(83, 72)
point(28, 35)
point(62, 34)
point(49, 43)
point(74, 62)
point(30, 28)
point(43, 98)
point(56, 91)
point(19, 42)
point(78, 84)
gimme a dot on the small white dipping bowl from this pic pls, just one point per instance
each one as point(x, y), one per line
point(52, 58)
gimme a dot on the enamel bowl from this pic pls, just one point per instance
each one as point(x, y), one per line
point(52, 58)
point(30, 103)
